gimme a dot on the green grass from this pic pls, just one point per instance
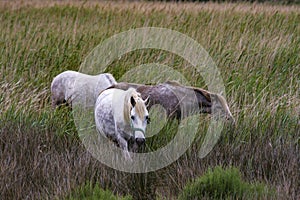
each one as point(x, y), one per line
point(88, 191)
point(224, 184)
point(256, 50)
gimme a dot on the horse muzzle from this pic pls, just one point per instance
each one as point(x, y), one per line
point(140, 141)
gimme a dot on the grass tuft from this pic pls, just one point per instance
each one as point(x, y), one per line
point(89, 191)
point(224, 184)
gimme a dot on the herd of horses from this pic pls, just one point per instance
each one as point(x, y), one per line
point(121, 110)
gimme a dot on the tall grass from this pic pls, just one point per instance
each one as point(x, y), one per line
point(256, 48)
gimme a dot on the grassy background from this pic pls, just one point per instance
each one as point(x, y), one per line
point(256, 48)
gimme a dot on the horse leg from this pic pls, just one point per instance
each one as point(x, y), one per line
point(123, 144)
point(56, 102)
point(53, 102)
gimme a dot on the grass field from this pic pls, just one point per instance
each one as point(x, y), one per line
point(256, 48)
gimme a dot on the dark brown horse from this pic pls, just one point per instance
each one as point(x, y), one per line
point(180, 101)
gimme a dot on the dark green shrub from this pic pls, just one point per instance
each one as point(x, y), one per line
point(223, 184)
point(88, 191)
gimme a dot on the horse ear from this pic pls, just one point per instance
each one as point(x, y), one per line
point(132, 101)
point(146, 101)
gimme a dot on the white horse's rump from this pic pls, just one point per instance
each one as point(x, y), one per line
point(74, 87)
point(122, 116)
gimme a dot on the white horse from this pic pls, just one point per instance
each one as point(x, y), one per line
point(122, 116)
point(73, 87)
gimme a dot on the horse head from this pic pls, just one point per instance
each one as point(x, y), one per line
point(138, 118)
point(220, 108)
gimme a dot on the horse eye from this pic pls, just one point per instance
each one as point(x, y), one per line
point(132, 117)
point(148, 119)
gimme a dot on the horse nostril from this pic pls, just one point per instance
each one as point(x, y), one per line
point(140, 141)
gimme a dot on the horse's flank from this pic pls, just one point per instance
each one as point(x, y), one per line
point(70, 86)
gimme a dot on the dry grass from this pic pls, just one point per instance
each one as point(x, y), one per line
point(255, 46)
point(149, 7)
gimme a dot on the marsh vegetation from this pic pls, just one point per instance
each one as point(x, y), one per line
point(256, 48)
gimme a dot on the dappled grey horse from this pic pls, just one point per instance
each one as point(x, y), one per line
point(122, 116)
